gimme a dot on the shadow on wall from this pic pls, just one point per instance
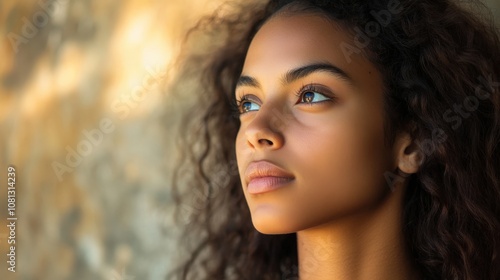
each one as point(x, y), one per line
point(88, 128)
point(90, 131)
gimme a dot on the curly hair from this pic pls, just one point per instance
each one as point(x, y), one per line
point(440, 61)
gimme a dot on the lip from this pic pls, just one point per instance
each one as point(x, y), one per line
point(264, 176)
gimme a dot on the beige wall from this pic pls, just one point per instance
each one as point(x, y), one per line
point(103, 211)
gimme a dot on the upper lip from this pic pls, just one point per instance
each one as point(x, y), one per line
point(262, 168)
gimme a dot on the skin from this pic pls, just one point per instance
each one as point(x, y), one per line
point(347, 218)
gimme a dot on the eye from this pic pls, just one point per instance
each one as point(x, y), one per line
point(312, 97)
point(309, 94)
point(246, 104)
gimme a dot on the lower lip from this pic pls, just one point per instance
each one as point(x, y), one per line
point(267, 184)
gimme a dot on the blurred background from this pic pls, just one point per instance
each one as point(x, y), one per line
point(88, 123)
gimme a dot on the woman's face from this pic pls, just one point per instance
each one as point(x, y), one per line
point(318, 118)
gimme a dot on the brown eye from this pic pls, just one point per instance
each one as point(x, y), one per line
point(247, 105)
point(310, 96)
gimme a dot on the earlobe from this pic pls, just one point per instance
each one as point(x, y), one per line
point(408, 155)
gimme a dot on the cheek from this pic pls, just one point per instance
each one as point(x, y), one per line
point(340, 168)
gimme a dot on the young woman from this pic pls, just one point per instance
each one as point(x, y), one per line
point(344, 140)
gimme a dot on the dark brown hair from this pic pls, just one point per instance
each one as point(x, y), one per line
point(440, 61)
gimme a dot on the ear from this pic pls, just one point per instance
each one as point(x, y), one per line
point(408, 157)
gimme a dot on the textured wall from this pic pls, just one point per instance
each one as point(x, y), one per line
point(86, 122)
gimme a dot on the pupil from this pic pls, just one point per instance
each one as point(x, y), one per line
point(308, 96)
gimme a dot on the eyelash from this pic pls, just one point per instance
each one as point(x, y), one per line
point(299, 94)
point(310, 88)
point(239, 101)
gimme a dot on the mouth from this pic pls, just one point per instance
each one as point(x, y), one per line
point(263, 176)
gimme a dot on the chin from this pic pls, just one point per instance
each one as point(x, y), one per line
point(273, 225)
point(273, 229)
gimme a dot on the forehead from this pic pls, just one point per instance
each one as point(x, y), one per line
point(288, 41)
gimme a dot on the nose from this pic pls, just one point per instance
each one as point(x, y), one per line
point(265, 131)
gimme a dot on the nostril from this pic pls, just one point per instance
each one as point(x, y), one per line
point(265, 141)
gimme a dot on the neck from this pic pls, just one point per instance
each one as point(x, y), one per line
point(367, 245)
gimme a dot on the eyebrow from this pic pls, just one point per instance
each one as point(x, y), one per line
point(300, 72)
point(247, 81)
